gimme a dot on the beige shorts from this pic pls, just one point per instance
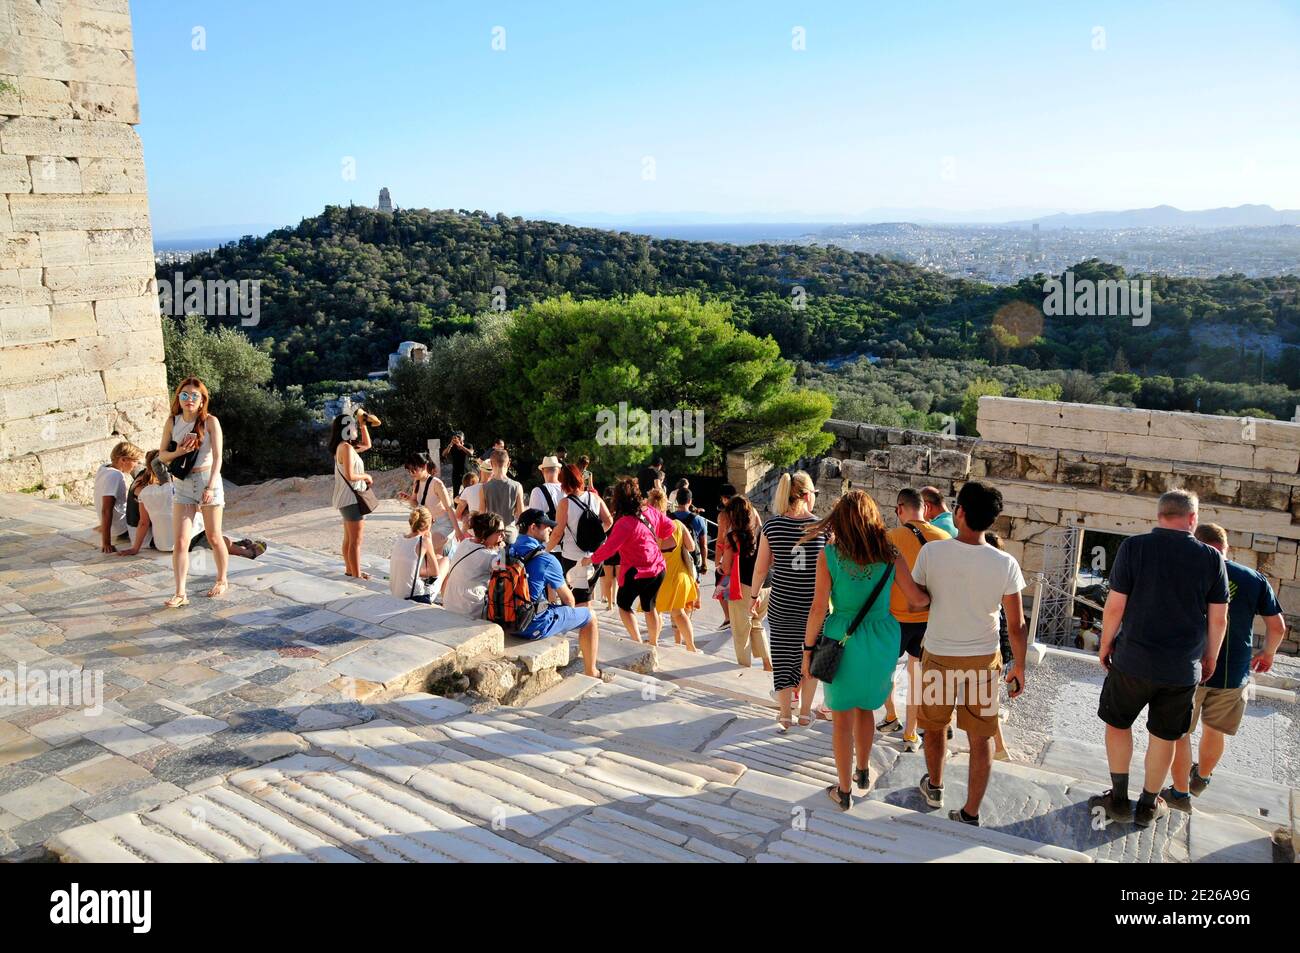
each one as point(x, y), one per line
point(970, 684)
point(1221, 708)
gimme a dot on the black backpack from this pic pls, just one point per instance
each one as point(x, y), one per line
point(590, 533)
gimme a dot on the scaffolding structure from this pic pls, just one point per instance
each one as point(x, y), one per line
point(1052, 621)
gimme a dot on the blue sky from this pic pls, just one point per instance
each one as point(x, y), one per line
point(962, 106)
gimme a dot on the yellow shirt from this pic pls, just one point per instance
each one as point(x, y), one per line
point(905, 542)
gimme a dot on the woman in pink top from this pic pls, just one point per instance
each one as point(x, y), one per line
point(635, 537)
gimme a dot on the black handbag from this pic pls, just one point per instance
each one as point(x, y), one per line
point(180, 467)
point(827, 653)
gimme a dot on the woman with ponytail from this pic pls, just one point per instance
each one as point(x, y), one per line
point(791, 565)
point(428, 491)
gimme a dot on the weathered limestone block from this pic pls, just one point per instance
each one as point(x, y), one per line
point(121, 244)
point(1265, 496)
point(64, 464)
point(64, 248)
point(62, 212)
point(126, 315)
point(33, 19)
point(79, 391)
point(25, 325)
point(51, 174)
point(1031, 558)
point(10, 95)
point(994, 461)
point(1246, 557)
point(856, 471)
point(91, 25)
point(143, 414)
point(20, 250)
point(102, 102)
point(1281, 461)
point(891, 435)
point(1068, 439)
point(105, 351)
point(1212, 488)
point(38, 362)
point(20, 473)
point(842, 428)
point(131, 383)
point(36, 434)
point(1265, 544)
point(15, 174)
point(1203, 427)
point(1032, 531)
point(1001, 431)
point(1240, 540)
point(92, 282)
point(1044, 514)
point(22, 288)
point(1279, 434)
point(1170, 448)
point(112, 175)
point(1279, 564)
point(1079, 473)
point(949, 463)
point(1062, 414)
point(46, 98)
point(828, 469)
point(1225, 454)
point(885, 490)
point(38, 136)
point(909, 459)
point(74, 319)
point(28, 400)
point(1036, 463)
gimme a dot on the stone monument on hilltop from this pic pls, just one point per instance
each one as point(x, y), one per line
point(385, 201)
point(81, 351)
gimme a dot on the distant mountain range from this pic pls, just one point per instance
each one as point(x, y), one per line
point(1166, 216)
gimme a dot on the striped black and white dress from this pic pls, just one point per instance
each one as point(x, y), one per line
point(793, 578)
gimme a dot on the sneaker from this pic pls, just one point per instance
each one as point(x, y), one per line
point(889, 726)
point(1115, 810)
point(911, 742)
point(1198, 784)
point(1146, 816)
point(1177, 801)
point(960, 817)
point(933, 794)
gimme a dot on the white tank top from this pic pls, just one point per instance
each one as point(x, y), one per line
point(404, 567)
point(424, 496)
point(181, 428)
point(569, 547)
point(343, 495)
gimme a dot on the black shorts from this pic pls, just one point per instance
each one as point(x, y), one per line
point(580, 596)
point(644, 587)
point(913, 633)
point(1169, 707)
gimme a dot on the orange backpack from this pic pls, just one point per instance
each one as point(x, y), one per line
point(509, 602)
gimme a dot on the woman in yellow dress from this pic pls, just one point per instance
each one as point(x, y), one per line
point(679, 590)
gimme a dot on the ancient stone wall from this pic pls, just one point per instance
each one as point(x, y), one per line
point(81, 356)
point(1099, 468)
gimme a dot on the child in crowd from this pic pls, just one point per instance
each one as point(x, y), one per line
point(111, 491)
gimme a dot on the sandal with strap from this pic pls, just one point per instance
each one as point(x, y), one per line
point(842, 799)
point(176, 602)
point(862, 778)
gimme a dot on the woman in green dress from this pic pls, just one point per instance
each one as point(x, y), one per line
point(849, 571)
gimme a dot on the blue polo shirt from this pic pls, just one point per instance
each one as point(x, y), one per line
point(1251, 595)
point(543, 569)
point(945, 523)
point(1170, 578)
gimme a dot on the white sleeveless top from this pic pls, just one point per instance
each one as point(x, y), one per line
point(569, 547)
point(424, 496)
point(181, 428)
point(404, 565)
point(343, 495)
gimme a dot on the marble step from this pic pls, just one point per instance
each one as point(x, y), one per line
point(558, 698)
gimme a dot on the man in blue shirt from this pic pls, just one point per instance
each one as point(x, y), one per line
point(1162, 627)
point(546, 581)
point(695, 525)
point(1221, 701)
point(935, 510)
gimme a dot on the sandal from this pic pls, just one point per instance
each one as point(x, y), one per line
point(176, 602)
point(842, 799)
point(783, 725)
point(805, 720)
point(218, 589)
point(862, 778)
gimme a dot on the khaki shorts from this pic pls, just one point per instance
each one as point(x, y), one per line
point(970, 684)
point(1221, 708)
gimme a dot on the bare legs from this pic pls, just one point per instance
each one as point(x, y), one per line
point(588, 645)
point(352, 532)
point(183, 529)
point(212, 526)
point(852, 733)
point(1210, 751)
point(684, 629)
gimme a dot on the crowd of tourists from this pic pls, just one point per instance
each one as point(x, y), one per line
point(831, 603)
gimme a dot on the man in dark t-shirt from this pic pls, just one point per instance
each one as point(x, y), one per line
point(458, 453)
point(1162, 627)
point(1220, 703)
point(651, 475)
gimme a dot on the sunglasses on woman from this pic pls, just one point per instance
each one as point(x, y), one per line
point(190, 398)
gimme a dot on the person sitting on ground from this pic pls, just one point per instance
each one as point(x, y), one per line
point(464, 585)
point(414, 565)
point(501, 495)
point(111, 491)
point(911, 533)
point(679, 591)
point(967, 580)
point(935, 510)
point(1220, 701)
point(634, 538)
point(546, 581)
point(156, 494)
point(1162, 626)
point(428, 491)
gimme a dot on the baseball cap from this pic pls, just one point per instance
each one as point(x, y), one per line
point(531, 517)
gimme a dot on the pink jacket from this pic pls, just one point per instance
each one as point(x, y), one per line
point(636, 546)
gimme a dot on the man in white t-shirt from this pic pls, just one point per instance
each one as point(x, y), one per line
point(547, 496)
point(110, 493)
point(968, 581)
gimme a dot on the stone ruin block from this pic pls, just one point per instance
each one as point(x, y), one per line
point(1079, 473)
point(1037, 464)
point(856, 471)
point(879, 459)
point(949, 463)
point(1279, 564)
point(828, 469)
point(1265, 496)
point(994, 461)
point(909, 459)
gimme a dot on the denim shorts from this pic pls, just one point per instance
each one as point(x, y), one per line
point(189, 492)
point(352, 513)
